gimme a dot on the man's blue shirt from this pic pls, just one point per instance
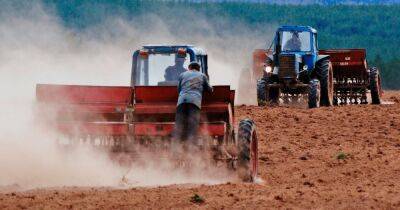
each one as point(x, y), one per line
point(191, 85)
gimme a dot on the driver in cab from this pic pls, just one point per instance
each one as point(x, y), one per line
point(172, 72)
point(294, 43)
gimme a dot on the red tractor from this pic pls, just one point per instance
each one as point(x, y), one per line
point(127, 119)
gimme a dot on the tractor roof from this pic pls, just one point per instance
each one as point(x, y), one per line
point(173, 49)
point(297, 28)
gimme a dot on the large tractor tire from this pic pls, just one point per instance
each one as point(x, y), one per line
point(375, 85)
point(247, 165)
point(324, 73)
point(261, 92)
point(314, 94)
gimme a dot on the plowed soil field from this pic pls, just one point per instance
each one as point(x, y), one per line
point(328, 158)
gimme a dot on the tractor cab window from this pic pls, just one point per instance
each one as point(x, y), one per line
point(160, 69)
point(295, 41)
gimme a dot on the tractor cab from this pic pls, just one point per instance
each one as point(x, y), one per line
point(157, 65)
point(297, 43)
point(301, 39)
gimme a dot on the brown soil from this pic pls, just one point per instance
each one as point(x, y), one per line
point(328, 158)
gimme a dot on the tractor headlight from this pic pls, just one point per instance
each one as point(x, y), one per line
point(305, 67)
point(268, 69)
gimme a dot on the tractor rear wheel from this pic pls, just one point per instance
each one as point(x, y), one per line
point(324, 73)
point(313, 94)
point(375, 85)
point(247, 164)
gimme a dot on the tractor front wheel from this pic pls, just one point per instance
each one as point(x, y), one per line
point(314, 94)
point(261, 94)
point(247, 164)
point(267, 95)
point(375, 85)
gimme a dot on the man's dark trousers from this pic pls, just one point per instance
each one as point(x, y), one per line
point(187, 120)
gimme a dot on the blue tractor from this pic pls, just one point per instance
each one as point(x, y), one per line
point(294, 70)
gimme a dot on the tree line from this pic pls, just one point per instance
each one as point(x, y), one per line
point(374, 27)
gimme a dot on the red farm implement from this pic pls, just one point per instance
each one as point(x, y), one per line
point(128, 119)
point(352, 77)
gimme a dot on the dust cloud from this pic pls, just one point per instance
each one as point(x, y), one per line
point(37, 48)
